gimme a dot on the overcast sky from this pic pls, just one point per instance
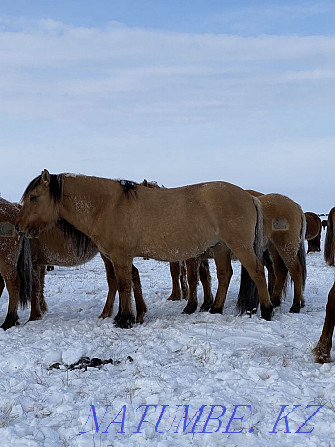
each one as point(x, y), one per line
point(177, 91)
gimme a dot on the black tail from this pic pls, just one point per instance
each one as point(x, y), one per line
point(25, 271)
point(248, 295)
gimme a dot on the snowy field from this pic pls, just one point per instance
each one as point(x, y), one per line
point(224, 372)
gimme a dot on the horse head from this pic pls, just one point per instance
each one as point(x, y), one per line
point(40, 204)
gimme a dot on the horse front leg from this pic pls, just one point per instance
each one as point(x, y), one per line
point(322, 350)
point(123, 272)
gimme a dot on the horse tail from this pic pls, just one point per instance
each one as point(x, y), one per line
point(302, 250)
point(25, 272)
point(329, 249)
point(248, 295)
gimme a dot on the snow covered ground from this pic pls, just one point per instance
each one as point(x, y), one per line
point(214, 369)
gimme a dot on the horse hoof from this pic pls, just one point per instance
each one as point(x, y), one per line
point(189, 309)
point(206, 306)
point(215, 310)
point(295, 309)
point(174, 298)
point(9, 322)
point(267, 312)
point(321, 356)
point(276, 301)
point(124, 320)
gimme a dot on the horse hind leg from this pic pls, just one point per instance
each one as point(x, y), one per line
point(192, 266)
point(255, 270)
point(141, 307)
point(38, 304)
point(322, 350)
point(112, 288)
point(224, 273)
point(280, 277)
point(205, 278)
point(183, 280)
point(2, 285)
point(13, 287)
point(175, 271)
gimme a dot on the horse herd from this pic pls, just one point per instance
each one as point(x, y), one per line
point(67, 219)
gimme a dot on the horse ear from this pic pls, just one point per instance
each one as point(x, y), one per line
point(46, 177)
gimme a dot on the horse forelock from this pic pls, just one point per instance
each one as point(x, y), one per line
point(55, 186)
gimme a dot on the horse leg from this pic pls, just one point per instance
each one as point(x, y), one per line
point(255, 270)
point(224, 273)
point(280, 275)
point(322, 350)
point(112, 288)
point(291, 260)
point(183, 279)
point(38, 304)
point(175, 274)
point(13, 287)
point(192, 278)
point(141, 307)
point(123, 272)
point(205, 278)
point(2, 284)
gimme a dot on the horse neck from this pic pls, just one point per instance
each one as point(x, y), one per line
point(84, 198)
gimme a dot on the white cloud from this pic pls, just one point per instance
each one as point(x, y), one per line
point(182, 107)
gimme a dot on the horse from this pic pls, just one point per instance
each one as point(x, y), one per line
point(284, 233)
point(324, 223)
point(126, 220)
point(15, 261)
point(313, 232)
point(61, 245)
point(322, 350)
point(185, 273)
point(283, 252)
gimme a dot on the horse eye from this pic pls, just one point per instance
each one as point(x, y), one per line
point(33, 197)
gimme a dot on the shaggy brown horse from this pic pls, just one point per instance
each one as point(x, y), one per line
point(322, 349)
point(284, 232)
point(313, 231)
point(127, 220)
point(59, 245)
point(15, 261)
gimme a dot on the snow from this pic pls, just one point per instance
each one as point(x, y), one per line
point(229, 373)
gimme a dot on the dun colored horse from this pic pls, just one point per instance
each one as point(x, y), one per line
point(126, 220)
point(284, 232)
point(322, 349)
point(284, 229)
point(313, 231)
point(60, 245)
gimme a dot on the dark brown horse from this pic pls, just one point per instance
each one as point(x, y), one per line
point(59, 245)
point(313, 232)
point(15, 262)
point(322, 349)
point(127, 220)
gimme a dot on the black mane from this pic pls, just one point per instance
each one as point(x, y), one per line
point(55, 186)
point(78, 240)
point(128, 186)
